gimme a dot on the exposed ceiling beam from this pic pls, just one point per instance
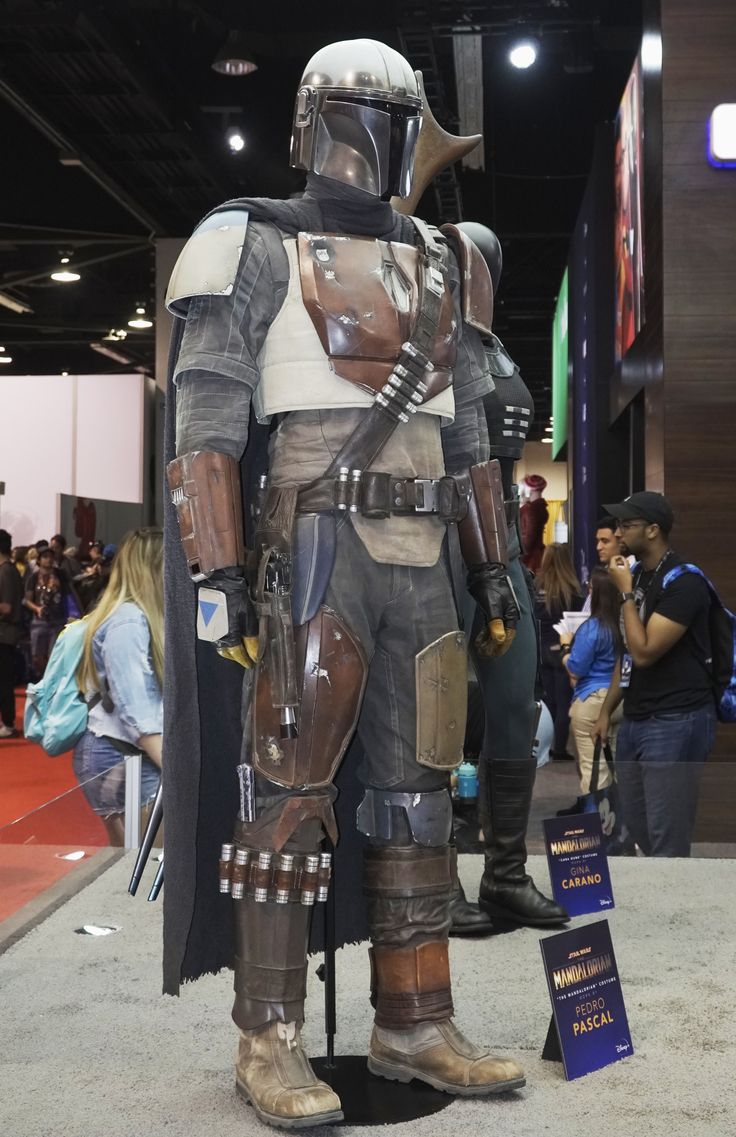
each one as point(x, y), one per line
point(150, 222)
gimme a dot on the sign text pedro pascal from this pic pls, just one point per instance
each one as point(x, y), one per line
point(586, 998)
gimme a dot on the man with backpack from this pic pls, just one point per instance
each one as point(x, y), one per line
point(665, 679)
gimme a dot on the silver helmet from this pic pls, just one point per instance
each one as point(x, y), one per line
point(357, 117)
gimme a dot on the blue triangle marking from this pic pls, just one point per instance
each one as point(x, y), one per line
point(208, 609)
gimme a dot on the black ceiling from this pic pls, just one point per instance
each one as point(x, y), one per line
point(111, 137)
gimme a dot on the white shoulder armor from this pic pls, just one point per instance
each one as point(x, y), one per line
point(208, 263)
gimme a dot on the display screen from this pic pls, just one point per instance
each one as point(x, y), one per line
point(560, 364)
point(629, 231)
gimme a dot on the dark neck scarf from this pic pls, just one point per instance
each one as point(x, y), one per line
point(348, 210)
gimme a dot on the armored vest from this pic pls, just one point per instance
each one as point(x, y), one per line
point(510, 407)
point(350, 305)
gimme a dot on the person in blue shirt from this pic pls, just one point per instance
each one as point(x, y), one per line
point(590, 658)
point(122, 665)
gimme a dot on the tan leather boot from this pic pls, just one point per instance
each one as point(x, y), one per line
point(438, 1053)
point(273, 1074)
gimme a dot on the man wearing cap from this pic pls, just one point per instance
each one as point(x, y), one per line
point(664, 681)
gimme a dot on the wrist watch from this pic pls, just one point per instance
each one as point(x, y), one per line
point(627, 596)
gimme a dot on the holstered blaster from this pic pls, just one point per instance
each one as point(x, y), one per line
point(276, 649)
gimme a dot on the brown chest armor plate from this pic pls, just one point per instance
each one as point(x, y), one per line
point(361, 295)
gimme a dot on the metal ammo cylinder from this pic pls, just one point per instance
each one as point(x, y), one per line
point(262, 877)
point(308, 894)
point(226, 867)
point(284, 878)
point(239, 873)
point(323, 879)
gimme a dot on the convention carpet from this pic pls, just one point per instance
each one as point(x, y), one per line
point(90, 1045)
point(43, 816)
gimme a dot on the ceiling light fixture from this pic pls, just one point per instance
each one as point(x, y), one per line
point(234, 58)
point(118, 357)
point(64, 274)
point(115, 335)
point(140, 319)
point(5, 358)
point(235, 141)
point(549, 440)
point(523, 53)
point(18, 306)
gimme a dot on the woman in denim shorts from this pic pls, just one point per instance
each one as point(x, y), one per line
point(122, 663)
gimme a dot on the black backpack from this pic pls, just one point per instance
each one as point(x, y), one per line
point(722, 627)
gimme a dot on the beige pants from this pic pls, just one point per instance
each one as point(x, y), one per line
point(583, 716)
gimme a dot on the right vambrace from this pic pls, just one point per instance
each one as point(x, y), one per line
point(205, 490)
point(483, 531)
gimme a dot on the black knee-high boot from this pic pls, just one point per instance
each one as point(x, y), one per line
point(507, 892)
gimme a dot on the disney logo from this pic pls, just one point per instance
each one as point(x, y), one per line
point(605, 901)
point(622, 1046)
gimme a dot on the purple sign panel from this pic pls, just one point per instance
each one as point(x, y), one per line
point(587, 1001)
point(578, 865)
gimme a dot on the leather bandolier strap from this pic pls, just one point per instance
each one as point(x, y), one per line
point(405, 390)
point(407, 890)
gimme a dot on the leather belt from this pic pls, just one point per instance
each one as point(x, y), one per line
point(378, 495)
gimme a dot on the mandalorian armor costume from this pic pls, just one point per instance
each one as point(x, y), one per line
point(507, 769)
point(352, 331)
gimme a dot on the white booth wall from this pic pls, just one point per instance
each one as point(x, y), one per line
point(81, 435)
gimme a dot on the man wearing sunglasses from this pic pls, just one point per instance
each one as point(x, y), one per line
point(664, 681)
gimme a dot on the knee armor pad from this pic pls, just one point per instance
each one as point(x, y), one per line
point(385, 815)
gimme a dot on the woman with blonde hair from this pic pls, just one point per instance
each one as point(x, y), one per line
point(558, 590)
point(121, 675)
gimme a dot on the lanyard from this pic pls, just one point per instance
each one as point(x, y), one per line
point(641, 604)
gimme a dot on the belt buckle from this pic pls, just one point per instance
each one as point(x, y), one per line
point(430, 488)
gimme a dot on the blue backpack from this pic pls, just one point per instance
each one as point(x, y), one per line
point(56, 711)
point(722, 664)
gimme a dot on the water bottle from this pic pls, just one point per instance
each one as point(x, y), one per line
point(467, 781)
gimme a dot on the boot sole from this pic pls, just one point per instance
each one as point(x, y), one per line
point(501, 917)
point(288, 1122)
point(407, 1074)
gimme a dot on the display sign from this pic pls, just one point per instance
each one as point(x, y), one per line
point(722, 136)
point(589, 1028)
point(578, 865)
point(629, 221)
point(560, 367)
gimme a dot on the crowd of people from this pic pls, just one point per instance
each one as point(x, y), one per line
point(636, 675)
point(120, 593)
point(53, 584)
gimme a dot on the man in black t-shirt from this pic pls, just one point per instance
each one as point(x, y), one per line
point(664, 681)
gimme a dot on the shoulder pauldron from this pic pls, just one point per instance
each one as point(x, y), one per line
point(477, 287)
